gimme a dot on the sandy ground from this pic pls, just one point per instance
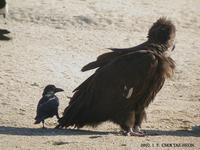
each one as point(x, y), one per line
point(52, 39)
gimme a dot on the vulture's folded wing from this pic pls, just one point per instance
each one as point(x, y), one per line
point(109, 87)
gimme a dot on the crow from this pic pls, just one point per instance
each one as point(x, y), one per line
point(3, 8)
point(48, 104)
point(125, 83)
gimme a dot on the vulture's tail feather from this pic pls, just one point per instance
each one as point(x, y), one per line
point(90, 66)
point(78, 112)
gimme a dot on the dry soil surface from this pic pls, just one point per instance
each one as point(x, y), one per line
point(52, 39)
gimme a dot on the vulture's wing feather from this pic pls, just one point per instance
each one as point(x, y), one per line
point(106, 58)
point(131, 49)
point(108, 89)
point(102, 60)
point(121, 50)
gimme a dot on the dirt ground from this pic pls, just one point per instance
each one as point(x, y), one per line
point(52, 39)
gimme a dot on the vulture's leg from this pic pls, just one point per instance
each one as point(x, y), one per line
point(128, 131)
point(43, 124)
point(128, 126)
point(139, 116)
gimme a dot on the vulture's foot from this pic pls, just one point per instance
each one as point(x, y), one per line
point(138, 129)
point(134, 132)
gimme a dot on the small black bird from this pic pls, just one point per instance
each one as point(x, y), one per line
point(48, 104)
point(3, 8)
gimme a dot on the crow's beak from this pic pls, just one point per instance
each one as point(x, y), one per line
point(58, 90)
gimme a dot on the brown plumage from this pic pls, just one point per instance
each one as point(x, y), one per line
point(125, 83)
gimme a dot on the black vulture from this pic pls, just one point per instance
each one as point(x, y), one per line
point(48, 104)
point(3, 8)
point(125, 83)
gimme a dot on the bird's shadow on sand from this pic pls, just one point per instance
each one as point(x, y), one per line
point(23, 131)
point(3, 36)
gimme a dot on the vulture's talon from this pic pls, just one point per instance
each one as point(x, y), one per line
point(134, 133)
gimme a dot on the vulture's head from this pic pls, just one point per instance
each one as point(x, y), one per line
point(51, 89)
point(163, 32)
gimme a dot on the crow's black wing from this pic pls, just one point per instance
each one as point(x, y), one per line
point(47, 109)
